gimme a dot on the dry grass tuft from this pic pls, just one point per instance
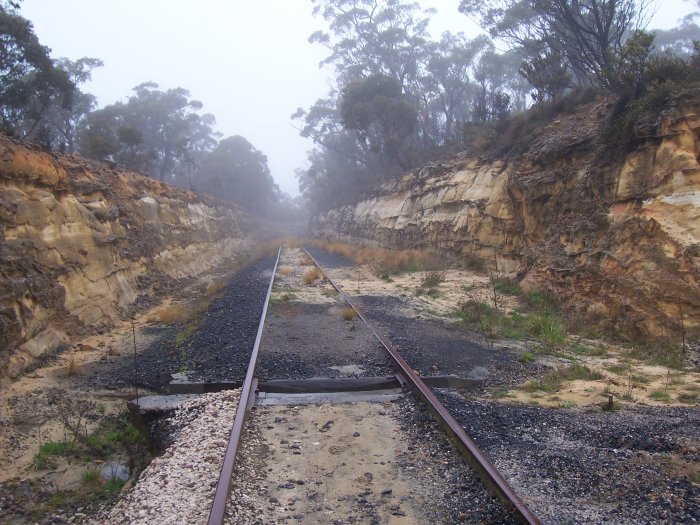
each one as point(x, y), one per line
point(72, 367)
point(312, 275)
point(286, 271)
point(387, 261)
point(215, 286)
point(172, 313)
point(348, 314)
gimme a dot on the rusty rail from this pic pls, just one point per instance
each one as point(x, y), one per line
point(476, 458)
point(245, 402)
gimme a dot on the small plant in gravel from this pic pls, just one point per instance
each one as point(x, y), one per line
point(348, 314)
point(527, 357)
point(502, 393)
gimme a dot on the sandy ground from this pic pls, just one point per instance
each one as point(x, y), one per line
point(336, 461)
point(628, 379)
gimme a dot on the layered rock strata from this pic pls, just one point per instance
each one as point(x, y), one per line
point(80, 243)
point(615, 231)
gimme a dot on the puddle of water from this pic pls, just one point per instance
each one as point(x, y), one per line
point(115, 471)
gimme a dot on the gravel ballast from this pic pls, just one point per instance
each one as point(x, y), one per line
point(178, 487)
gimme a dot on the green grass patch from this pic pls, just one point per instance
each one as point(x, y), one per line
point(474, 264)
point(688, 397)
point(92, 477)
point(620, 368)
point(542, 301)
point(581, 349)
point(547, 327)
point(543, 386)
point(48, 451)
point(507, 286)
point(527, 357)
point(670, 356)
point(660, 395)
point(553, 381)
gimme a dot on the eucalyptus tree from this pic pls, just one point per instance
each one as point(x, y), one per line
point(30, 82)
point(587, 34)
point(154, 131)
point(236, 171)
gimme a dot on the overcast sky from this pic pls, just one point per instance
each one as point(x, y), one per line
point(247, 61)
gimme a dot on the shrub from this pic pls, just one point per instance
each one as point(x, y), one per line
point(348, 314)
point(172, 313)
point(312, 275)
point(432, 279)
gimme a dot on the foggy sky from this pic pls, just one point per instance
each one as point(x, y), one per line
point(247, 61)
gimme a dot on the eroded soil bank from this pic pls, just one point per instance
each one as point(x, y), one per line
point(614, 229)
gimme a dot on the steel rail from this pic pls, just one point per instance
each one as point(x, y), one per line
point(245, 402)
point(476, 458)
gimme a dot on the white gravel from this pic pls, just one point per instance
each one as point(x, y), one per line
point(178, 487)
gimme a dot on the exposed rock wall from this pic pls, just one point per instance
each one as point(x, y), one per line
point(80, 243)
point(618, 234)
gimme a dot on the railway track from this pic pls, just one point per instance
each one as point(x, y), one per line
point(404, 376)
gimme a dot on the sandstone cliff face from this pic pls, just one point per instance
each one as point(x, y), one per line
point(618, 235)
point(81, 243)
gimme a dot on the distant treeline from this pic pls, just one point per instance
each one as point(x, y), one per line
point(159, 133)
point(402, 98)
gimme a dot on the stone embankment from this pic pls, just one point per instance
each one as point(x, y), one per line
point(81, 244)
point(616, 231)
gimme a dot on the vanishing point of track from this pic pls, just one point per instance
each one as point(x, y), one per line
point(475, 457)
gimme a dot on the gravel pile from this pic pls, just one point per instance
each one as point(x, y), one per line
point(178, 487)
